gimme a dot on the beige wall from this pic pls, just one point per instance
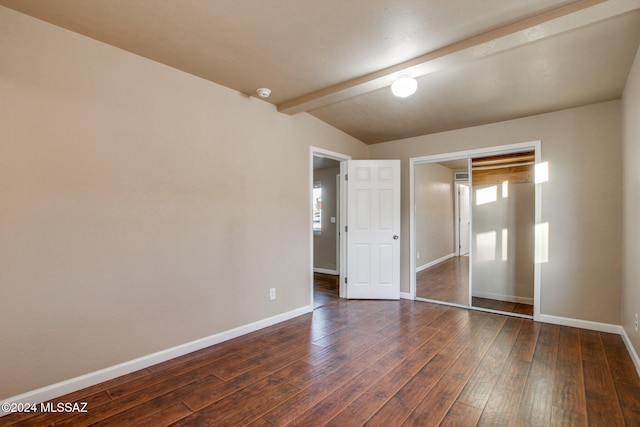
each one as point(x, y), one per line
point(325, 241)
point(631, 194)
point(434, 212)
point(581, 202)
point(141, 208)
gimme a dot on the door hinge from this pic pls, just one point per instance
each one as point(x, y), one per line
point(346, 228)
point(346, 177)
point(345, 280)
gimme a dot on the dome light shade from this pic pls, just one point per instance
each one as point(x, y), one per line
point(404, 86)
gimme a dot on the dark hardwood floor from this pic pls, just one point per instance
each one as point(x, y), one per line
point(448, 281)
point(505, 306)
point(325, 289)
point(378, 363)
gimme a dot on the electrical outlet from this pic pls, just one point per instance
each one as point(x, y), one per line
point(636, 323)
point(272, 294)
point(417, 255)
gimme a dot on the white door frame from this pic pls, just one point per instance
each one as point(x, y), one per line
point(467, 154)
point(338, 220)
point(321, 152)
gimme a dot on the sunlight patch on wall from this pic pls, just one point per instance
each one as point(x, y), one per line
point(542, 172)
point(542, 243)
point(486, 195)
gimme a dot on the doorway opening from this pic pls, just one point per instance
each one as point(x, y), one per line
point(327, 202)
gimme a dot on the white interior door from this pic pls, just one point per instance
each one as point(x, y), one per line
point(373, 229)
point(463, 218)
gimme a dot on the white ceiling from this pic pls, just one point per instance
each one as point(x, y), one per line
point(476, 61)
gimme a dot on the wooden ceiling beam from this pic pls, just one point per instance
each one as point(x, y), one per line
point(547, 24)
point(506, 159)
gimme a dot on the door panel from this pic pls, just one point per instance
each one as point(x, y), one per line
point(373, 224)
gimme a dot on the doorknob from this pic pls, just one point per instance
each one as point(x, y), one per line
point(395, 237)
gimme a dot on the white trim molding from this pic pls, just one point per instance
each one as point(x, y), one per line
point(52, 391)
point(632, 351)
point(583, 324)
point(596, 326)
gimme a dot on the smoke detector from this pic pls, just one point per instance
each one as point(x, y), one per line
point(263, 92)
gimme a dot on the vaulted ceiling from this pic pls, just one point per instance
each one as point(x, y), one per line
point(476, 62)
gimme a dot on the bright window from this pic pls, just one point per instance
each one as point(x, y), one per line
point(317, 206)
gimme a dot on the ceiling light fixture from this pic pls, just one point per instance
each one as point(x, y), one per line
point(405, 85)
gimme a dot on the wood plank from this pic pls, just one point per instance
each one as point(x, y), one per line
point(591, 346)
point(329, 379)
point(400, 405)
point(132, 415)
point(436, 403)
point(326, 409)
point(461, 415)
point(502, 405)
point(132, 400)
point(479, 387)
point(569, 403)
point(260, 422)
point(603, 407)
point(243, 406)
point(620, 363)
point(43, 418)
point(358, 412)
point(537, 396)
point(415, 390)
point(629, 398)
point(278, 366)
point(165, 416)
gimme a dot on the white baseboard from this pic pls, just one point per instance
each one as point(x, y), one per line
point(596, 326)
point(325, 271)
point(405, 295)
point(584, 324)
point(434, 262)
point(68, 386)
point(632, 351)
point(500, 297)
